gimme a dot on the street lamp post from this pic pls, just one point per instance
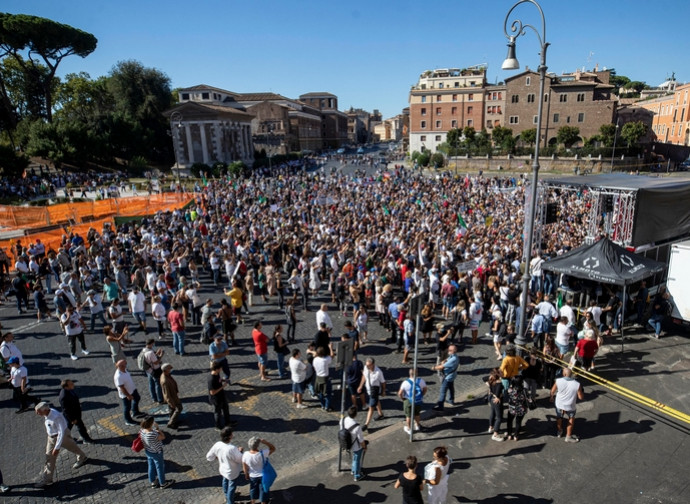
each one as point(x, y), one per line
point(511, 63)
point(175, 125)
point(615, 137)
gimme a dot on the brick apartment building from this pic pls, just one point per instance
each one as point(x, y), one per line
point(444, 99)
point(581, 99)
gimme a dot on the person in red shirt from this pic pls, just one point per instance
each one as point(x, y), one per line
point(586, 349)
point(261, 348)
point(177, 326)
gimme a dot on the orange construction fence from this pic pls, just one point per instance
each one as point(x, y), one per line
point(79, 217)
point(20, 217)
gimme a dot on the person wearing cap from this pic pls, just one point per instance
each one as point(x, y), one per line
point(229, 459)
point(8, 349)
point(71, 408)
point(137, 307)
point(171, 395)
point(74, 326)
point(19, 379)
point(218, 350)
point(59, 437)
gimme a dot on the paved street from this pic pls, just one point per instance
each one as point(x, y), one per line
point(618, 435)
point(260, 407)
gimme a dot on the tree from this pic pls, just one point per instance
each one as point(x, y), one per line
point(437, 160)
point(34, 41)
point(469, 133)
point(12, 163)
point(503, 138)
point(140, 96)
point(529, 136)
point(568, 135)
point(607, 134)
point(618, 80)
point(632, 132)
point(482, 142)
point(637, 86)
point(453, 140)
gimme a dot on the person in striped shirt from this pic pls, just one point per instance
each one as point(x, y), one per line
point(153, 438)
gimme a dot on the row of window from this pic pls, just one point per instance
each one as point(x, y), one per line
point(453, 98)
point(556, 119)
point(453, 110)
point(439, 124)
point(562, 98)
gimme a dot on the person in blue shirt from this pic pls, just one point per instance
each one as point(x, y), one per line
point(394, 313)
point(449, 368)
point(218, 350)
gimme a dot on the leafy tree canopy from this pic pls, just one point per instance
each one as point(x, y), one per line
point(568, 135)
point(529, 136)
point(633, 131)
point(34, 41)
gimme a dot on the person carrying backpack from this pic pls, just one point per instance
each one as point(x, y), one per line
point(351, 439)
point(410, 391)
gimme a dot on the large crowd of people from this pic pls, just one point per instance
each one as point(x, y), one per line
point(366, 244)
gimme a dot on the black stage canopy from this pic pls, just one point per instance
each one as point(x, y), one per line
point(604, 261)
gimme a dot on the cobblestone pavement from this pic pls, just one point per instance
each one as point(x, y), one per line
point(115, 472)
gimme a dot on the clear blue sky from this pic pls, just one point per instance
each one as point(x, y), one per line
point(368, 53)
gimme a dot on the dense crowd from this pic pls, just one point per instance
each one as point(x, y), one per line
point(373, 243)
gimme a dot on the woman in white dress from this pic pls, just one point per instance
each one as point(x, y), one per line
point(436, 476)
point(315, 276)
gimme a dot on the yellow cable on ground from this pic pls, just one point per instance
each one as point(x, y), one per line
point(630, 394)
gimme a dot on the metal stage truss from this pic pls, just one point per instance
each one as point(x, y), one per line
point(618, 220)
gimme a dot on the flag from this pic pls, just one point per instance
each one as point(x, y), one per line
point(385, 210)
point(203, 180)
point(461, 221)
point(488, 220)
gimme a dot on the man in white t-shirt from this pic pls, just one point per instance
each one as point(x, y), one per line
point(74, 326)
point(322, 385)
point(229, 459)
point(358, 443)
point(323, 316)
point(298, 373)
point(127, 392)
point(137, 306)
point(563, 335)
point(567, 311)
point(567, 391)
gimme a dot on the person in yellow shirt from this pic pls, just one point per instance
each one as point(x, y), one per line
point(511, 366)
point(235, 295)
